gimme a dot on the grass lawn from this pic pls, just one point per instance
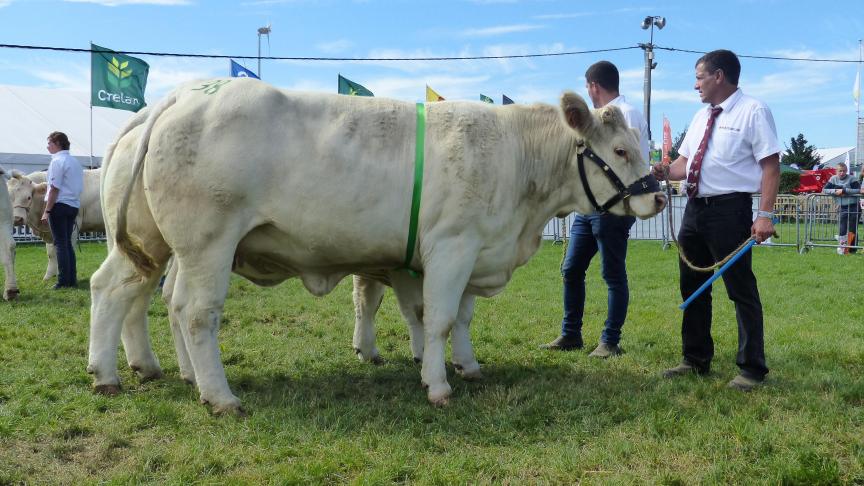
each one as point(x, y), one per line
point(318, 415)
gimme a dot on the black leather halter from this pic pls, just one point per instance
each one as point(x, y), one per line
point(644, 185)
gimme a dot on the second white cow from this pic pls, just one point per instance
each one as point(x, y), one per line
point(7, 243)
point(28, 201)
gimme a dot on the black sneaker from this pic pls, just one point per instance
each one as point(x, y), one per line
point(564, 343)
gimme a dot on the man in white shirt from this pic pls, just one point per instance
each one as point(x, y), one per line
point(62, 200)
point(731, 151)
point(606, 233)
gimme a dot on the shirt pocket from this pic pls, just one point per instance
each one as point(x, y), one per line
point(729, 144)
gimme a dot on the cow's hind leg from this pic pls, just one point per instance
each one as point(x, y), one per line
point(136, 334)
point(187, 372)
point(117, 290)
point(368, 295)
point(198, 301)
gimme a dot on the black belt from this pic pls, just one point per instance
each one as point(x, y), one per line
point(722, 198)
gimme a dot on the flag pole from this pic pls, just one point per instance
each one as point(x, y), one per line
point(91, 107)
point(859, 157)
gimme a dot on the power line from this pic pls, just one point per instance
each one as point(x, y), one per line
point(431, 58)
point(775, 58)
point(305, 58)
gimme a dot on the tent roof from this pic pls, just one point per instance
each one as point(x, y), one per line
point(30, 114)
point(839, 153)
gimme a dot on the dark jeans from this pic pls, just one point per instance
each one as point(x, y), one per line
point(608, 234)
point(62, 220)
point(848, 219)
point(711, 229)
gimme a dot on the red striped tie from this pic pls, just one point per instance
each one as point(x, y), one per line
point(696, 166)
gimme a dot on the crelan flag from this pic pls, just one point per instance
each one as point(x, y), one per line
point(431, 95)
point(350, 88)
point(486, 99)
point(116, 80)
point(238, 71)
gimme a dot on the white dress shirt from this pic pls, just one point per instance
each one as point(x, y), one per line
point(67, 175)
point(743, 134)
point(635, 120)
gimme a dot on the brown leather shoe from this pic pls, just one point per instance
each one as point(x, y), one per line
point(683, 369)
point(564, 343)
point(744, 384)
point(604, 351)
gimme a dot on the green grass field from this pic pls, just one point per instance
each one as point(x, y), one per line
point(318, 415)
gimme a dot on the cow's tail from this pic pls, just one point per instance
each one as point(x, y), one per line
point(128, 244)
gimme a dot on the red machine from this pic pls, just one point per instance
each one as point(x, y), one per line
point(813, 180)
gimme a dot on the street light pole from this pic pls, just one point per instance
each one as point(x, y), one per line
point(262, 31)
point(649, 23)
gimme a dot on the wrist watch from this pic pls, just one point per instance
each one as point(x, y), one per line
point(765, 214)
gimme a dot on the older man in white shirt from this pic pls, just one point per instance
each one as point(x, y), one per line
point(731, 151)
point(62, 201)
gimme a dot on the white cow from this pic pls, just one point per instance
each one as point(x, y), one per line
point(7, 243)
point(28, 201)
point(236, 175)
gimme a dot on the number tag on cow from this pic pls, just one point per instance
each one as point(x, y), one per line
point(212, 87)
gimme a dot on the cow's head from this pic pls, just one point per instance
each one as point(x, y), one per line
point(613, 172)
point(21, 196)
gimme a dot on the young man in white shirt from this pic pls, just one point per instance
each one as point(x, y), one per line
point(731, 151)
point(65, 183)
point(606, 233)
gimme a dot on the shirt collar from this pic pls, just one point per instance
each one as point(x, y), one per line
point(729, 102)
point(59, 154)
point(618, 100)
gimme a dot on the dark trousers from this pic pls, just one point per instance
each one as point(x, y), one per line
point(607, 234)
point(62, 221)
point(711, 229)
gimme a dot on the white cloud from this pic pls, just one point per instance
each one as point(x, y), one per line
point(335, 47)
point(5, 3)
point(117, 3)
point(500, 30)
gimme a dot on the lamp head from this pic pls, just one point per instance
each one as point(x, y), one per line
point(646, 23)
point(660, 22)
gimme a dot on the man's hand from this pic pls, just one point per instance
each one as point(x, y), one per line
point(762, 229)
point(660, 171)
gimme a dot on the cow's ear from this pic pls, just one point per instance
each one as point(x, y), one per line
point(40, 189)
point(17, 174)
point(576, 112)
point(612, 115)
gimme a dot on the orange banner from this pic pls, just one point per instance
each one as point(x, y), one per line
point(667, 140)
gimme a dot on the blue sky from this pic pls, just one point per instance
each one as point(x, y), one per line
point(813, 98)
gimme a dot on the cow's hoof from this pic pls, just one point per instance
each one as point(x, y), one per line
point(150, 376)
point(439, 395)
point(10, 294)
point(108, 390)
point(371, 357)
point(189, 379)
point(418, 360)
point(470, 372)
point(230, 408)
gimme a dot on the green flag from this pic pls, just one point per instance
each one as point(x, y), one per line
point(350, 88)
point(486, 99)
point(116, 80)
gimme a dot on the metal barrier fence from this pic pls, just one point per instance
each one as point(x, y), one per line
point(23, 234)
point(803, 221)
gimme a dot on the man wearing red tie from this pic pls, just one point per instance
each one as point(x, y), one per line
point(731, 151)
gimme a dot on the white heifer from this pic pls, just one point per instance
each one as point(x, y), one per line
point(235, 175)
point(7, 243)
point(28, 200)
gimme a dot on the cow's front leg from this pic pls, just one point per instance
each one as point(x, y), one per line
point(409, 295)
point(444, 282)
point(460, 340)
point(7, 255)
point(367, 295)
point(51, 269)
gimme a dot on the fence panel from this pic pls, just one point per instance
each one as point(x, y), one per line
point(822, 224)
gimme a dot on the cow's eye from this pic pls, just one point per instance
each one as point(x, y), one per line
point(620, 152)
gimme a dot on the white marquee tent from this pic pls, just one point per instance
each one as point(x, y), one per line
point(28, 115)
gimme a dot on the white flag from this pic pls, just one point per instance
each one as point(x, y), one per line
point(856, 88)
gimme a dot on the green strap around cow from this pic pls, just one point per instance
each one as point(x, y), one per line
point(418, 186)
